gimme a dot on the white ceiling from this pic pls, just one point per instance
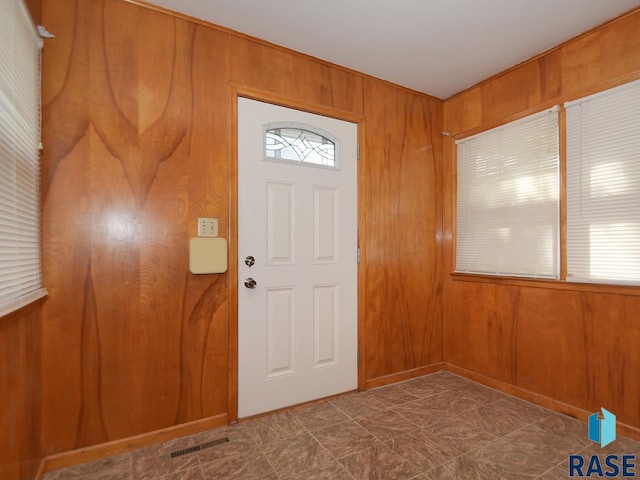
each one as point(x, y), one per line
point(438, 47)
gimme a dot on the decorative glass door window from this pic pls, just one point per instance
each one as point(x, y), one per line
point(300, 144)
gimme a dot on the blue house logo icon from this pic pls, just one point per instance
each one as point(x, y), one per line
point(602, 428)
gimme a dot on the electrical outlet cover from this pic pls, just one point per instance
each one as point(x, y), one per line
point(207, 227)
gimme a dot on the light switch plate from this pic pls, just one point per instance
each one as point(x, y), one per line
point(207, 227)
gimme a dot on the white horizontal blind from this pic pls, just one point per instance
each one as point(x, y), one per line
point(20, 265)
point(507, 200)
point(603, 187)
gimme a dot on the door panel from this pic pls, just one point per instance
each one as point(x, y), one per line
point(280, 319)
point(325, 323)
point(297, 331)
point(325, 225)
point(280, 238)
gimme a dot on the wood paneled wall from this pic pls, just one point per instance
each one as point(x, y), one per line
point(35, 9)
point(135, 128)
point(577, 346)
point(403, 218)
point(21, 394)
point(136, 135)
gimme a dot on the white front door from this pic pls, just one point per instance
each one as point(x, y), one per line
point(297, 240)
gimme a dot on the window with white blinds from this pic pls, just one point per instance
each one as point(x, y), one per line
point(603, 187)
point(20, 264)
point(507, 199)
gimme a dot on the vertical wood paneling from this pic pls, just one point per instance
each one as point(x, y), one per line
point(468, 350)
point(130, 162)
point(611, 340)
point(620, 48)
point(465, 112)
point(205, 329)
point(341, 89)
point(20, 401)
point(285, 73)
point(548, 360)
point(274, 70)
point(35, 9)
point(136, 134)
point(572, 346)
point(581, 65)
point(137, 147)
point(551, 76)
point(513, 91)
point(576, 348)
point(66, 246)
point(502, 330)
point(403, 309)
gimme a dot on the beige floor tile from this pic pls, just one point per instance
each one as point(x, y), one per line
point(378, 462)
point(386, 424)
point(391, 396)
point(357, 404)
point(318, 416)
point(344, 438)
point(437, 427)
point(297, 455)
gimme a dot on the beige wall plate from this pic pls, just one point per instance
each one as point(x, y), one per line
point(207, 255)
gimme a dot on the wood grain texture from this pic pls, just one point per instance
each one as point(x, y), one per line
point(622, 429)
point(404, 375)
point(402, 206)
point(115, 447)
point(133, 342)
point(463, 315)
point(282, 72)
point(138, 105)
point(602, 58)
point(575, 346)
point(21, 397)
point(136, 134)
point(35, 9)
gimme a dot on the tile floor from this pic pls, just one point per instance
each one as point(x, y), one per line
point(439, 426)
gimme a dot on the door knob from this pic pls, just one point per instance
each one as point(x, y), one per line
point(250, 283)
point(249, 261)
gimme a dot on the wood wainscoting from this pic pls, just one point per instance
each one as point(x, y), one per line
point(21, 398)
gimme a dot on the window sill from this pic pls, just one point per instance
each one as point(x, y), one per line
point(548, 284)
point(22, 302)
